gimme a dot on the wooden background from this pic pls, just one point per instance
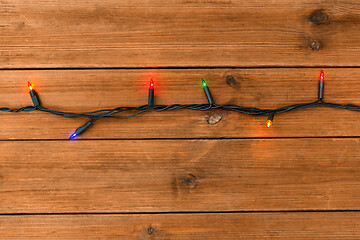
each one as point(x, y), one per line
point(183, 174)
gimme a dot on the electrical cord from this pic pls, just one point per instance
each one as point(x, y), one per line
point(94, 116)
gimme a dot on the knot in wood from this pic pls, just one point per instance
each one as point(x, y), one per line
point(315, 45)
point(318, 17)
point(190, 180)
point(151, 230)
point(213, 118)
point(231, 81)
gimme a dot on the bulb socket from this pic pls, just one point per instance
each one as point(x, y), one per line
point(81, 129)
point(208, 95)
point(321, 89)
point(34, 98)
point(151, 97)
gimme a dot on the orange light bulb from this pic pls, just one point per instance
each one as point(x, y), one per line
point(268, 123)
point(30, 86)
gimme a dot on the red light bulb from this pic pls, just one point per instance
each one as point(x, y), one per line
point(321, 85)
point(322, 76)
point(151, 93)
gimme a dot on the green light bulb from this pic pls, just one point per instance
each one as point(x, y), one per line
point(203, 83)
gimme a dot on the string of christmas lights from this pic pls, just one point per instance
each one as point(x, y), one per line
point(114, 113)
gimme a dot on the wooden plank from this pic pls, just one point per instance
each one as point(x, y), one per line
point(87, 90)
point(173, 175)
point(109, 33)
point(286, 226)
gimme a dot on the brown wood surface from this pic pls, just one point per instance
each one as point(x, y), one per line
point(179, 175)
point(284, 226)
point(168, 33)
point(88, 90)
point(172, 175)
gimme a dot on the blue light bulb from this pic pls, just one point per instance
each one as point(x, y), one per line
point(73, 136)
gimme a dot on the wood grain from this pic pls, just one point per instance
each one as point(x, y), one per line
point(88, 90)
point(286, 226)
point(170, 33)
point(179, 175)
point(108, 50)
